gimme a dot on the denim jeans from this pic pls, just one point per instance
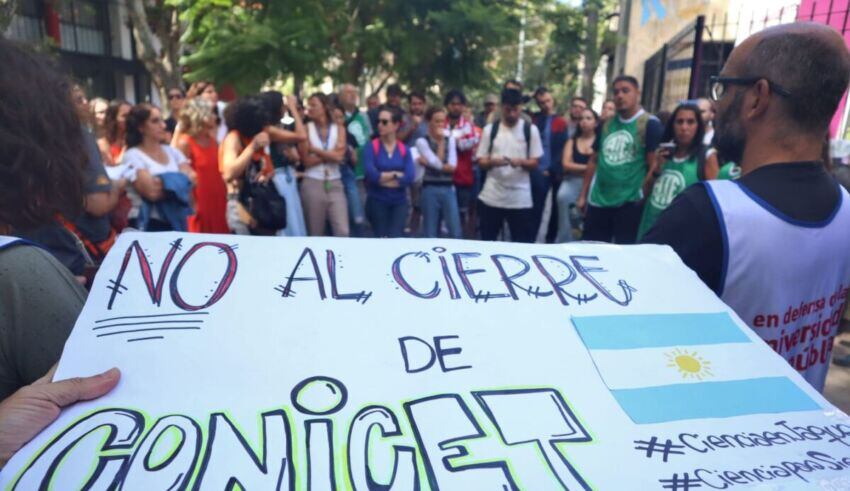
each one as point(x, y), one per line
point(439, 201)
point(387, 219)
point(355, 206)
point(285, 183)
point(567, 196)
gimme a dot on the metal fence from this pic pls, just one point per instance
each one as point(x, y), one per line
point(680, 70)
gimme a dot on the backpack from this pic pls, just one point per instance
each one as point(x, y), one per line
point(376, 144)
point(262, 201)
point(526, 132)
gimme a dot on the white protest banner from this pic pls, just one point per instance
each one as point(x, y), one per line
point(295, 364)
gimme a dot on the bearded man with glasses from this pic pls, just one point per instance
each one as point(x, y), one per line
point(774, 244)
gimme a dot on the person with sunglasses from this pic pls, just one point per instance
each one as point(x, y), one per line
point(176, 99)
point(773, 244)
point(389, 171)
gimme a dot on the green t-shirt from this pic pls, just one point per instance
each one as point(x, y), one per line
point(357, 125)
point(730, 170)
point(621, 162)
point(676, 176)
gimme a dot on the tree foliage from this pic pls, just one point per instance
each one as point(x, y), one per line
point(157, 31)
point(420, 43)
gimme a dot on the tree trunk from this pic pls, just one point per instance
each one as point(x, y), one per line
point(163, 63)
point(591, 48)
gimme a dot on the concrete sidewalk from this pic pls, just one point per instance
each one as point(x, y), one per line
point(837, 389)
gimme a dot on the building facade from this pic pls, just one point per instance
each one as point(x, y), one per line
point(94, 43)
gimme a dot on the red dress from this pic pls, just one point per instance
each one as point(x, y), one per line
point(210, 192)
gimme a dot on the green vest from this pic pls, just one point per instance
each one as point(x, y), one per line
point(621, 163)
point(730, 170)
point(358, 126)
point(675, 177)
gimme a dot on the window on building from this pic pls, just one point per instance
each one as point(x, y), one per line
point(84, 26)
point(27, 25)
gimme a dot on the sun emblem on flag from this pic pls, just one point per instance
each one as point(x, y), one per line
point(689, 364)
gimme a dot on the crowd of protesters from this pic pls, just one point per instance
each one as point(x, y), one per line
point(414, 166)
point(74, 173)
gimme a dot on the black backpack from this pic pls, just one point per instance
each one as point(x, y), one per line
point(262, 201)
point(526, 132)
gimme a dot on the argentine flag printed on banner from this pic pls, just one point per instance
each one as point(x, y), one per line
point(674, 367)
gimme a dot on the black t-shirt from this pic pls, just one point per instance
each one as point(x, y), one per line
point(803, 191)
point(60, 241)
point(96, 229)
point(170, 124)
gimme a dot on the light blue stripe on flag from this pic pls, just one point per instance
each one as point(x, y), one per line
point(713, 400)
point(657, 330)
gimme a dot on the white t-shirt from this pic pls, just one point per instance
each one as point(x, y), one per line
point(116, 172)
point(137, 160)
point(324, 171)
point(508, 186)
point(221, 131)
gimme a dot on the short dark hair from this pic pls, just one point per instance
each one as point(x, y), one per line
point(417, 94)
point(248, 115)
point(395, 113)
point(42, 150)
point(810, 68)
point(395, 89)
point(511, 97)
point(626, 78)
point(454, 94)
point(136, 118)
point(274, 105)
point(670, 134)
point(429, 114)
point(512, 81)
point(579, 98)
point(540, 91)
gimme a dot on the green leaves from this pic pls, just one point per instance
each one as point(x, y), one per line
point(421, 43)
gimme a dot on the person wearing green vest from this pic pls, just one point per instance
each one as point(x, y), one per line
point(686, 162)
point(621, 169)
point(359, 129)
point(729, 171)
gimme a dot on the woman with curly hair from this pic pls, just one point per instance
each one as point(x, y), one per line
point(159, 173)
point(42, 166)
point(42, 162)
point(197, 144)
point(244, 159)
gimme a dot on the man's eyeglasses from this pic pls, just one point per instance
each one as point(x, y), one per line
point(718, 85)
point(384, 122)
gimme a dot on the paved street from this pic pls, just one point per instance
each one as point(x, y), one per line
point(838, 380)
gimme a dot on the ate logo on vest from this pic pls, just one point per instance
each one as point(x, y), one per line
point(619, 148)
point(667, 187)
